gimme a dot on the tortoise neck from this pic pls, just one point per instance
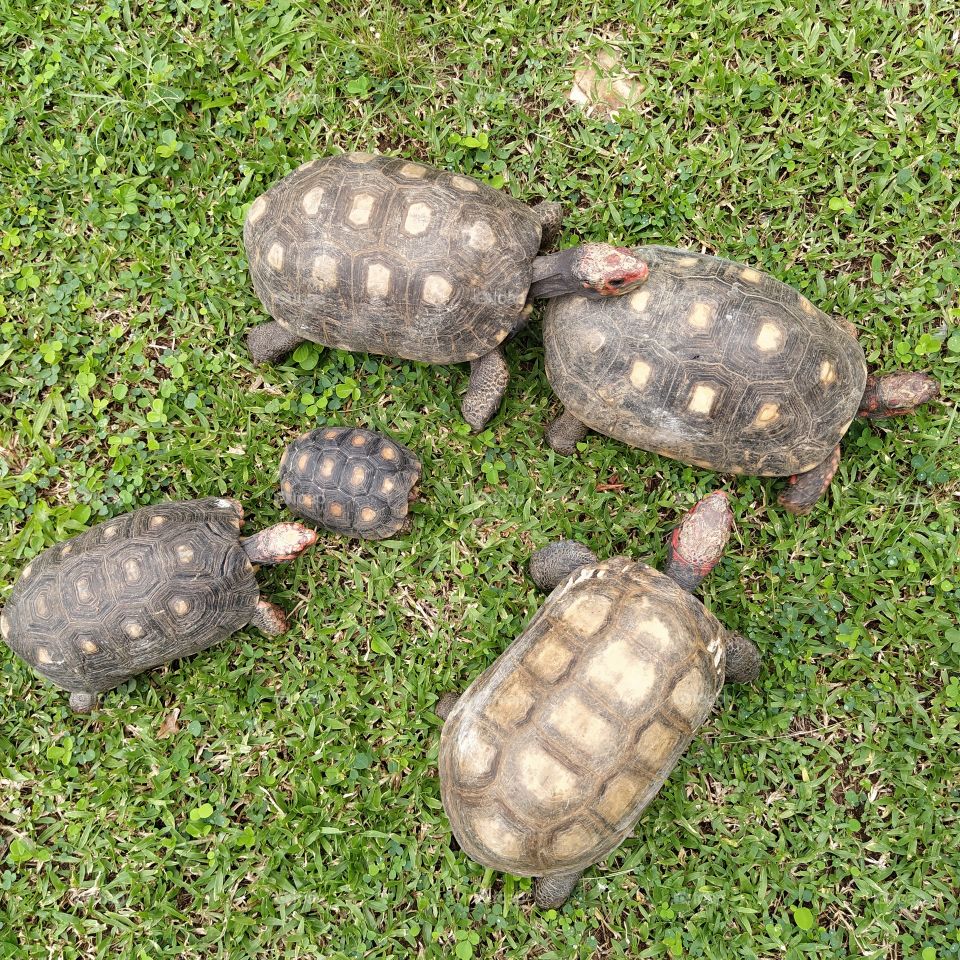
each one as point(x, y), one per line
point(553, 274)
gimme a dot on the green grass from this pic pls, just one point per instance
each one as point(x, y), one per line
point(296, 811)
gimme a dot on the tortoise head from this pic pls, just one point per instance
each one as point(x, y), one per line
point(606, 271)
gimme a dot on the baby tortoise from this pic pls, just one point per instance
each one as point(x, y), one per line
point(350, 481)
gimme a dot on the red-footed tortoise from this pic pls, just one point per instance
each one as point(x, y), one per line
point(719, 365)
point(145, 588)
point(549, 757)
point(350, 481)
point(386, 256)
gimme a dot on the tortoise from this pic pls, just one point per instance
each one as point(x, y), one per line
point(721, 366)
point(142, 589)
point(350, 481)
point(383, 255)
point(550, 756)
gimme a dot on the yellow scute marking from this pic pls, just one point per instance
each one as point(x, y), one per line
point(549, 658)
point(257, 209)
point(768, 413)
point(701, 400)
point(574, 719)
point(828, 373)
point(617, 671)
point(498, 836)
point(418, 218)
point(639, 300)
point(690, 695)
point(378, 280)
point(511, 703)
point(701, 315)
point(640, 374)
point(360, 209)
point(475, 755)
point(464, 183)
point(275, 256)
point(545, 777)
point(619, 797)
point(480, 236)
point(655, 744)
point(312, 200)
point(413, 170)
point(769, 338)
point(587, 613)
point(436, 289)
point(572, 842)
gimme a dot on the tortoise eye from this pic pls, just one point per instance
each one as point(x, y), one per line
point(617, 283)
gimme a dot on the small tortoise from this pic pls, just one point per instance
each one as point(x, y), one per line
point(350, 481)
point(143, 589)
point(382, 255)
point(550, 756)
point(718, 365)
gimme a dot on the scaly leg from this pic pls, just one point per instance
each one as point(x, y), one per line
point(806, 488)
point(83, 702)
point(565, 433)
point(270, 342)
point(270, 619)
point(489, 377)
point(555, 562)
point(742, 660)
point(553, 891)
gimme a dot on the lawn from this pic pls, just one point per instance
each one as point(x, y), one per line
point(278, 798)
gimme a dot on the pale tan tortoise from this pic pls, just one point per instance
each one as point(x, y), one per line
point(350, 481)
point(550, 756)
point(721, 366)
point(383, 255)
point(141, 590)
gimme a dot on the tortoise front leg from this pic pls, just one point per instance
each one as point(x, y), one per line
point(553, 563)
point(83, 702)
point(806, 488)
point(269, 342)
point(553, 891)
point(270, 619)
point(565, 433)
point(551, 220)
point(489, 377)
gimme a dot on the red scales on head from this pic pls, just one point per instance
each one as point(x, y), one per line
point(610, 271)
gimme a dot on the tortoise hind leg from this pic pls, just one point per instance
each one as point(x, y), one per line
point(565, 433)
point(806, 488)
point(83, 702)
point(445, 705)
point(269, 342)
point(742, 660)
point(489, 377)
point(553, 891)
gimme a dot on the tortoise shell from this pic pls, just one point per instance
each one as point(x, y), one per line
point(386, 256)
point(131, 593)
point(350, 481)
point(548, 759)
point(711, 363)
